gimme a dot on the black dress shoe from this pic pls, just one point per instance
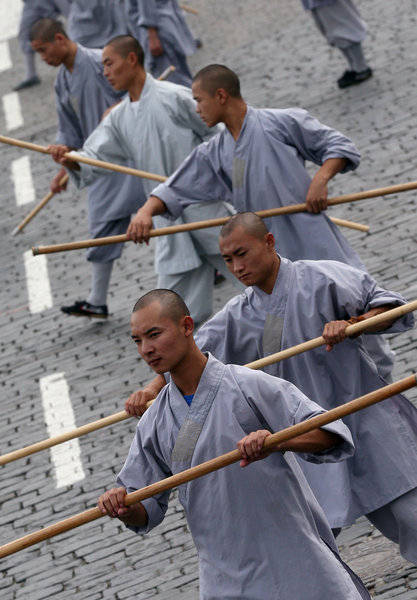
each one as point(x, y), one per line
point(354, 77)
point(82, 308)
point(27, 83)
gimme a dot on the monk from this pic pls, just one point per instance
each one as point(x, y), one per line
point(256, 529)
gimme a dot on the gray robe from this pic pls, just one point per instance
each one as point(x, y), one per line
point(81, 98)
point(307, 294)
point(173, 31)
point(157, 138)
point(265, 169)
point(338, 20)
point(93, 23)
point(254, 528)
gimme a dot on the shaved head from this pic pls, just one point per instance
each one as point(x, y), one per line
point(249, 222)
point(125, 44)
point(213, 77)
point(173, 306)
point(45, 30)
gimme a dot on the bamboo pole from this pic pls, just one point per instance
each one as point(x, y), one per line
point(117, 239)
point(273, 212)
point(189, 9)
point(351, 330)
point(214, 464)
point(167, 72)
point(84, 159)
point(350, 224)
point(285, 210)
point(37, 208)
point(64, 437)
point(394, 313)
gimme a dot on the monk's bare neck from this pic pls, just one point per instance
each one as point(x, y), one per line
point(235, 116)
point(267, 286)
point(136, 87)
point(187, 375)
point(70, 58)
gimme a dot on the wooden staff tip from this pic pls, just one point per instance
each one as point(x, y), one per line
point(35, 251)
point(15, 231)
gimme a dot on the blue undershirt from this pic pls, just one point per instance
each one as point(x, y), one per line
point(189, 399)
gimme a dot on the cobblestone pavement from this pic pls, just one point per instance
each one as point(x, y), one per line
point(282, 61)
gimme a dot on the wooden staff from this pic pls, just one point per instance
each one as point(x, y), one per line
point(37, 208)
point(350, 224)
point(189, 9)
point(392, 314)
point(273, 212)
point(167, 72)
point(84, 159)
point(64, 437)
point(351, 330)
point(212, 465)
point(116, 239)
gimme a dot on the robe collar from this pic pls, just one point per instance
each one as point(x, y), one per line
point(247, 126)
point(276, 301)
point(204, 395)
point(147, 90)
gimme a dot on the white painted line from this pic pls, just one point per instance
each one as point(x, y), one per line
point(10, 12)
point(24, 190)
point(5, 59)
point(12, 111)
point(59, 418)
point(37, 281)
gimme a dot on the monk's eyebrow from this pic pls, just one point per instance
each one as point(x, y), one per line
point(234, 252)
point(148, 331)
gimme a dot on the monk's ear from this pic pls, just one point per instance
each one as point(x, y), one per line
point(270, 240)
point(60, 38)
point(188, 325)
point(132, 59)
point(221, 96)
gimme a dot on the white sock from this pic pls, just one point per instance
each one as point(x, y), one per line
point(30, 66)
point(100, 279)
point(355, 57)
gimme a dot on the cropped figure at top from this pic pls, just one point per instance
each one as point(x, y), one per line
point(164, 35)
point(342, 26)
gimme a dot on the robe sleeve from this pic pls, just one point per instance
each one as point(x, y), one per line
point(148, 12)
point(228, 335)
point(313, 140)
point(354, 292)
point(69, 128)
point(198, 179)
point(282, 405)
point(104, 143)
point(377, 296)
point(145, 465)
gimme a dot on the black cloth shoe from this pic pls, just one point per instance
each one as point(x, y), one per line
point(82, 308)
point(27, 83)
point(354, 77)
